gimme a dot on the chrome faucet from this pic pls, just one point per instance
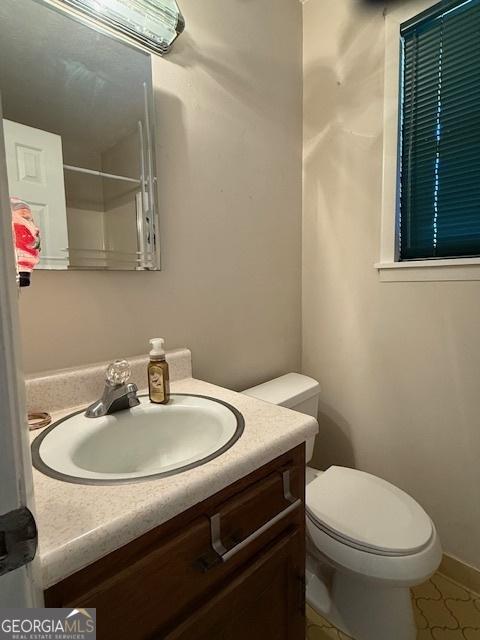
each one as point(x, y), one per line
point(117, 395)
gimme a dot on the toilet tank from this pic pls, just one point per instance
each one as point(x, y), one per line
point(294, 391)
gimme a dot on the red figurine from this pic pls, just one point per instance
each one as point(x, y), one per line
point(26, 236)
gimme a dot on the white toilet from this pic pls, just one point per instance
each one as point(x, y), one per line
point(368, 542)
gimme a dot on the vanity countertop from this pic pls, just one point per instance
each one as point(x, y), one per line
point(78, 524)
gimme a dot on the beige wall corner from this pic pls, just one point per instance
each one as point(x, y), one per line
point(462, 573)
point(397, 362)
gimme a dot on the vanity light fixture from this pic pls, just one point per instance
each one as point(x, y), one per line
point(155, 24)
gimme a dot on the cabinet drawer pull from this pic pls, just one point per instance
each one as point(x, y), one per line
point(215, 522)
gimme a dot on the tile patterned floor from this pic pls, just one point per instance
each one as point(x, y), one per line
point(443, 610)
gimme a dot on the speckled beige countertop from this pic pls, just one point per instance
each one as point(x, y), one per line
point(78, 524)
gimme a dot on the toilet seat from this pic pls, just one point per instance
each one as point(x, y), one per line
point(356, 545)
point(398, 571)
point(367, 513)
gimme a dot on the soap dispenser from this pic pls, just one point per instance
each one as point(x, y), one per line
point(158, 374)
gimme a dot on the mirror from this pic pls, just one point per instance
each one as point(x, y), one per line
point(78, 127)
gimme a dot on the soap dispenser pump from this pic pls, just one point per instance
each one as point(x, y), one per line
point(158, 374)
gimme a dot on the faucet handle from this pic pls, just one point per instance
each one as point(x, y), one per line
point(118, 373)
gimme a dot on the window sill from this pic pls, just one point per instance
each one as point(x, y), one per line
point(430, 270)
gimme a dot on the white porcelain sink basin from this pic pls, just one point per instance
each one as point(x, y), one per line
point(142, 443)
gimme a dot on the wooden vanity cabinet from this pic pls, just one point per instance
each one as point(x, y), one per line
point(171, 584)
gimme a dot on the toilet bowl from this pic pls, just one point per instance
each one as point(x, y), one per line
point(368, 541)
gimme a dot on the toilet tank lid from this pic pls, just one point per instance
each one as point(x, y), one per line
point(287, 391)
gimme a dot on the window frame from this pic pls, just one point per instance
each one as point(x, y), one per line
point(389, 267)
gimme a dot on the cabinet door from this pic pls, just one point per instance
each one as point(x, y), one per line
point(265, 601)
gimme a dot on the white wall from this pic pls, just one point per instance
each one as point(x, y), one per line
point(399, 363)
point(229, 118)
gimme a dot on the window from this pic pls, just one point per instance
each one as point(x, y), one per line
point(438, 197)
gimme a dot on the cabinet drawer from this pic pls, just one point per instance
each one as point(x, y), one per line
point(151, 584)
point(256, 514)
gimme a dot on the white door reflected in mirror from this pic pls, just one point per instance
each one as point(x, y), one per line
point(35, 175)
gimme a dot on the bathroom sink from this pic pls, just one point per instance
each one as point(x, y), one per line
point(146, 442)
